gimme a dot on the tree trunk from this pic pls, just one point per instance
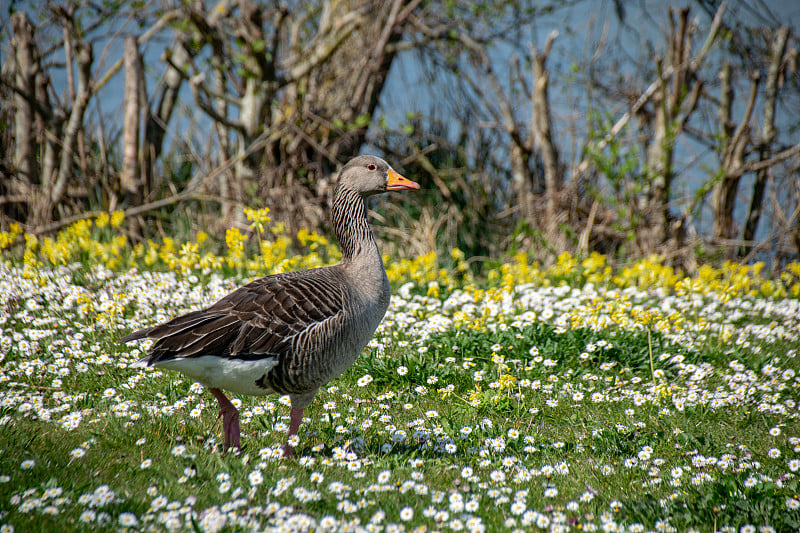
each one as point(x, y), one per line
point(659, 167)
point(25, 70)
point(754, 213)
point(157, 119)
point(521, 183)
point(726, 127)
point(130, 181)
point(225, 182)
point(541, 126)
point(723, 200)
point(768, 133)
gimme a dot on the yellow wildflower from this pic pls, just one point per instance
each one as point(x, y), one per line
point(102, 220)
point(117, 217)
point(259, 218)
point(507, 381)
point(234, 239)
point(7, 238)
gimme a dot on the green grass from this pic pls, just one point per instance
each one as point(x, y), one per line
point(572, 429)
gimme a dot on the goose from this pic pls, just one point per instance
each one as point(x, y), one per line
point(288, 333)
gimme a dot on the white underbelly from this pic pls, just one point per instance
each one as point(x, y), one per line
point(233, 375)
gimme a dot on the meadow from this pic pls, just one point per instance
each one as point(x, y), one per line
point(576, 397)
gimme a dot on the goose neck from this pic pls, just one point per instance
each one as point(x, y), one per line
point(351, 225)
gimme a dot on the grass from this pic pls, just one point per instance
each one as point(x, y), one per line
point(591, 406)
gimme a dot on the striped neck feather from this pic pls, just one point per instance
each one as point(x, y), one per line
point(350, 224)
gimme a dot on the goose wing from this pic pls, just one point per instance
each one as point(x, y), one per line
point(256, 321)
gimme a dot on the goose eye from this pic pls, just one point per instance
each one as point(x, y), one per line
point(372, 166)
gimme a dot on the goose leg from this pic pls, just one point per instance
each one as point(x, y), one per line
point(295, 419)
point(230, 419)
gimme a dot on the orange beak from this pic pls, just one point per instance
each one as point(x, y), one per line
point(397, 182)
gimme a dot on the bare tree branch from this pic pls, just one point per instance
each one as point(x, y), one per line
point(693, 64)
point(341, 29)
point(165, 19)
point(189, 192)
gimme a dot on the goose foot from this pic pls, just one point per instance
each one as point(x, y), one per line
point(230, 419)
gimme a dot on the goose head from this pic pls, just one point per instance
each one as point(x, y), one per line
point(370, 175)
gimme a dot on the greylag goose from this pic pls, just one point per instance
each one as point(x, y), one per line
point(288, 333)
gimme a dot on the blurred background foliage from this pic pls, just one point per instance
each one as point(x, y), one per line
point(625, 128)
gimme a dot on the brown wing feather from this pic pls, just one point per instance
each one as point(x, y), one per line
point(257, 320)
